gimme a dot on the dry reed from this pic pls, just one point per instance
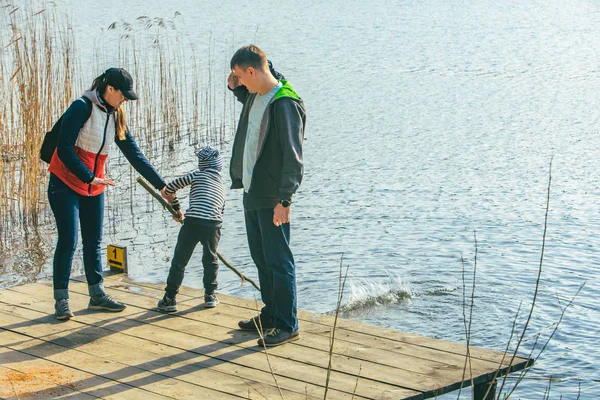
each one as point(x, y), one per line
point(521, 335)
point(36, 85)
point(41, 74)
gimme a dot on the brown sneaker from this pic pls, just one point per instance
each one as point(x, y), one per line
point(252, 324)
point(276, 337)
point(104, 302)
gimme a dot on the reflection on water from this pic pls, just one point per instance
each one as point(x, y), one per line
point(24, 261)
point(427, 122)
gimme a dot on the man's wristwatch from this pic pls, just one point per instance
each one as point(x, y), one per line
point(286, 203)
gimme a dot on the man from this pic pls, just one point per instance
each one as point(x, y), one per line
point(266, 161)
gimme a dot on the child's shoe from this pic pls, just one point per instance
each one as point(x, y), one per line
point(210, 300)
point(167, 305)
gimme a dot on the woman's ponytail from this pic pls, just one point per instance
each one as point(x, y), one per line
point(121, 125)
point(99, 83)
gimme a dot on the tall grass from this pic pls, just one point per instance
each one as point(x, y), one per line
point(41, 73)
point(36, 81)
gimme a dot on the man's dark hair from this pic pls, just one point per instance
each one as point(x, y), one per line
point(250, 56)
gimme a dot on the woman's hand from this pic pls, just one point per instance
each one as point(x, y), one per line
point(100, 181)
point(179, 218)
point(166, 196)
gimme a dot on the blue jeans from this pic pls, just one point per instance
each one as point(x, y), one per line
point(270, 250)
point(70, 210)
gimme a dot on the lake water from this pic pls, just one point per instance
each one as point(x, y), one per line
point(430, 123)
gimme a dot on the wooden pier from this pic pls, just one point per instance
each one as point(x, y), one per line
point(199, 353)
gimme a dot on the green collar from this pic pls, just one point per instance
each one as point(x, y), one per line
point(286, 91)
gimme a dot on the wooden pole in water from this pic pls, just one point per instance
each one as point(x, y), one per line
point(169, 208)
point(485, 390)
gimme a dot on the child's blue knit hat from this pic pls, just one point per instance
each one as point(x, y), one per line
point(209, 158)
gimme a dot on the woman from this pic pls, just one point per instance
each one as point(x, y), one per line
point(77, 182)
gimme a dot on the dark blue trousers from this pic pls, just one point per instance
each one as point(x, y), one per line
point(270, 250)
point(190, 235)
point(72, 210)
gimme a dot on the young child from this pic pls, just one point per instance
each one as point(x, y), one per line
point(202, 224)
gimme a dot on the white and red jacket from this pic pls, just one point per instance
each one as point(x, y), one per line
point(84, 144)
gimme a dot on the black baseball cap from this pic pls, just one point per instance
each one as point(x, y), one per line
point(121, 80)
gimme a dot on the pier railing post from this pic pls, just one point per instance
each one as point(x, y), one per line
point(480, 390)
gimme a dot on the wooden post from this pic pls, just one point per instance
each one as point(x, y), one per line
point(480, 389)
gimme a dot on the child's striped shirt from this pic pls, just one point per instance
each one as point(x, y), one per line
point(207, 195)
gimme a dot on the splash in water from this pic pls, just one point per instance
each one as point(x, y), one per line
point(365, 294)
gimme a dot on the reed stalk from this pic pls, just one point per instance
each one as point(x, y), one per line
point(524, 330)
point(341, 287)
point(41, 74)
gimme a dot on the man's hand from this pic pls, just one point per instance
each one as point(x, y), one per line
point(179, 218)
point(166, 196)
point(232, 81)
point(100, 181)
point(281, 215)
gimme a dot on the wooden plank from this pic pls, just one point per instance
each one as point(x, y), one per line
point(183, 367)
point(420, 377)
point(195, 341)
point(45, 379)
point(411, 365)
point(35, 378)
point(251, 358)
point(452, 354)
point(85, 359)
point(407, 358)
point(395, 354)
point(161, 359)
point(121, 281)
point(440, 378)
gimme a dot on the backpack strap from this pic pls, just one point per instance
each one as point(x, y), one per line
point(88, 102)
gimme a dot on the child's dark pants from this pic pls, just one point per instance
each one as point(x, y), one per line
point(192, 232)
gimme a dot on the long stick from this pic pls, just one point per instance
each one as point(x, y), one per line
point(243, 277)
point(169, 208)
point(157, 196)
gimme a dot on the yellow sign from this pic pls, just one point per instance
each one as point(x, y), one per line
point(117, 257)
